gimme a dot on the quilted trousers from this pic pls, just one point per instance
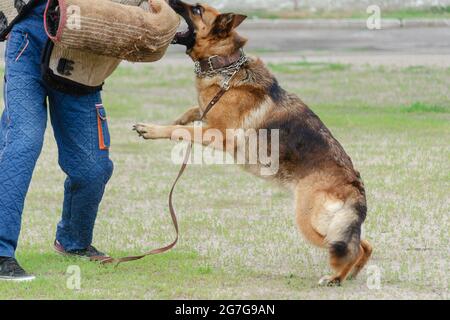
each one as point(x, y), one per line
point(81, 133)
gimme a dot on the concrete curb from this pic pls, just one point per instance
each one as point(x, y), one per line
point(284, 24)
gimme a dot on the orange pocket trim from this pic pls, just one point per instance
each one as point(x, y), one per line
point(101, 138)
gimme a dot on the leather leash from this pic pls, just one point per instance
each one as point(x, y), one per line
point(224, 88)
point(228, 67)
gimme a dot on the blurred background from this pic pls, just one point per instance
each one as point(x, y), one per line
point(337, 30)
point(410, 32)
point(343, 8)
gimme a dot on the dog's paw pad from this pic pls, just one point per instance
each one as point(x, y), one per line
point(148, 131)
point(328, 281)
point(140, 129)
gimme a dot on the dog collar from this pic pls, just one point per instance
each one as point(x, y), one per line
point(215, 65)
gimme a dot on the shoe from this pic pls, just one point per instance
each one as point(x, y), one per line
point(90, 253)
point(10, 270)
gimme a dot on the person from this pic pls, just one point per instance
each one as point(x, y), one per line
point(81, 134)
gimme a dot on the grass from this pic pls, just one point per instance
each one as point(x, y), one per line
point(238, 233)
point(436, 12)
point(423, 108)
point(304, 66)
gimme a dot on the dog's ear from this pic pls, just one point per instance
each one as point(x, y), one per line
point(226, 22)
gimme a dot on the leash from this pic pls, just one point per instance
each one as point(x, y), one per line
point(225, 86)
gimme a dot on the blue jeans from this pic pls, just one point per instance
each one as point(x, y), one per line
point(81, 133)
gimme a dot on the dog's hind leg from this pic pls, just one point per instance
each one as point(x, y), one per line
point(304, 223)
point(344, 243)
point(342, 260)
point(366, 248)
point(329, 222)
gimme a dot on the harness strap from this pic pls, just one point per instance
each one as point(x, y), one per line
point(173, 214)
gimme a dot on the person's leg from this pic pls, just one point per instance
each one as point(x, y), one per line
point(22, 127)
point(82, 136)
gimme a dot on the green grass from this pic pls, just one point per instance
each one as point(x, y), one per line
point(238, 233)
point(413, 13)
point(437, 12)
point(308, 67)
point(423, 108)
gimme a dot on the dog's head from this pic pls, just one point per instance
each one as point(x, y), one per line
point(209, 31)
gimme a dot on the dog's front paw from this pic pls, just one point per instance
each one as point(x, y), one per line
point(149, 131)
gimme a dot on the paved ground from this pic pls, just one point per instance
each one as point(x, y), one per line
point(285, 41)
point(359, 46)
point(400, 40)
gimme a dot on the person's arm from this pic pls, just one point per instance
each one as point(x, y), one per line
point(12, 12)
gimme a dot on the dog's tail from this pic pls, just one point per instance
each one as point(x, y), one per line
point(344, 233)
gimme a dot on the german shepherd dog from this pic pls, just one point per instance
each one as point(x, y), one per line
point(329, 193)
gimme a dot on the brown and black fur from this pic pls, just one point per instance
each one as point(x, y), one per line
point(329, 193)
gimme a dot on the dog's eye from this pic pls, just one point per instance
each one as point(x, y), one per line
point(197, 11)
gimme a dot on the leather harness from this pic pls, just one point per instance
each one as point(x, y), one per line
point(207, 67)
